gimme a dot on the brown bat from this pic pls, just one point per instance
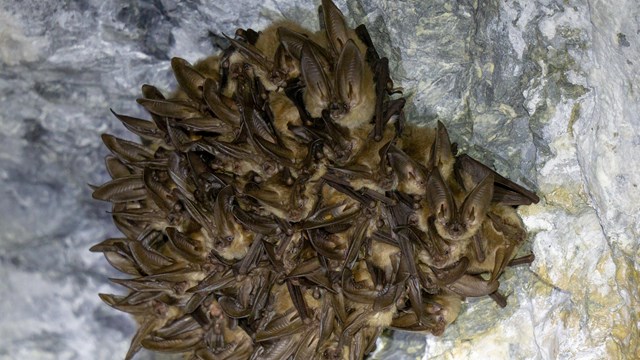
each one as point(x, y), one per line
point(278, 206)
point(458, 217)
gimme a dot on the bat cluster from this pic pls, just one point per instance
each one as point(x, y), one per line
point(279, 207)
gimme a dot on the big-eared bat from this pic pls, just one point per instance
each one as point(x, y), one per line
point(278, 206)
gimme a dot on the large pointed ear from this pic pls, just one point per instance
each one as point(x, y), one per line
point(315, 79)
point(440, 198)
point(189, 79)
point(444, 153)
point(505, 191)
point(441, 150)
point(335, 25)
point(283, 62)
point(251, 53)
point(293, 42)
point(477, 203)
point(222, 208)
point(349, 73)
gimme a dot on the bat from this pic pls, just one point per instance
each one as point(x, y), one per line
point(278, 206)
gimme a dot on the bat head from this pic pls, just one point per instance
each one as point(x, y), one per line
point(455, 222)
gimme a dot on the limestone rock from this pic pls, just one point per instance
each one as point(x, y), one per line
point(545, 91)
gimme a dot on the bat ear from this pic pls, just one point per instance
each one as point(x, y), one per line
point(335, 25)
point(189, 79)
point(315, 79)
point(251, 53)
point(441, 150)
point(116, 168)
point(291, 41)
point(476, 204)
point(505, 191)
point(349, 73)
point(440, 198)
point(222, 208)
point(282, 62)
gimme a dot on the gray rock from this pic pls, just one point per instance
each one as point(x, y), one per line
point(544, 91)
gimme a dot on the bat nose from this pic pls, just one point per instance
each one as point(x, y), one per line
point(455, 229)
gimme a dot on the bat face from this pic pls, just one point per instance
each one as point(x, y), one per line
point(279, 207)
point(454, 220)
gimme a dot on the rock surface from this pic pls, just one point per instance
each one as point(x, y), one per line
point(544, 91)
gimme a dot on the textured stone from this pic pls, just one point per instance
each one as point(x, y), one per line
point(544, 91)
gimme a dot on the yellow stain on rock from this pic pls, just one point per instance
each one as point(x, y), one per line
point(625, 334)
point(570, 199)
